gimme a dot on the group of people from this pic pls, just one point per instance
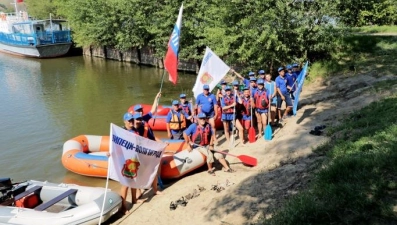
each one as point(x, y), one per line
point(260, 98)
point(197, 131)
point(240, 108)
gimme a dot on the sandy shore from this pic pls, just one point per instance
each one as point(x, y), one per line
point(283, 165)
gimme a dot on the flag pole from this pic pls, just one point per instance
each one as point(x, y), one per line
point(107, 177)
point(157, 103)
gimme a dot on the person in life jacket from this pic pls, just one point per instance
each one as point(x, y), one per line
point(261, 100)
point(200, 137)
point(228, 105)
point(176, 121)
point(221, 92)
point(272, 92)
point(245, 110)
point(187, 107)
point(282, 94)
point(146, 117)
point(246, 81)
point(134, 123)
point(236, 87)
point(207, 103)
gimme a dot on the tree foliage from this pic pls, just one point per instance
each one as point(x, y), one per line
point(368, 12)
point(249, 32)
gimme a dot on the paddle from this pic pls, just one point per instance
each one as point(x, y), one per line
point(268, 131)
point(248, 160)
point(234, 118)
point(245, 159)
point(251, 130)
point(157, 103)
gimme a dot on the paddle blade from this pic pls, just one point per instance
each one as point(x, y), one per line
point(268, 133)
point(248, 160)
point(251, 135)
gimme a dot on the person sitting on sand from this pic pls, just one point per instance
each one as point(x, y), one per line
point(200, 136)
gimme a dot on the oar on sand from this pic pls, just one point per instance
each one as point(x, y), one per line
point(268, 131)
point(245, 159)
point(251, 130)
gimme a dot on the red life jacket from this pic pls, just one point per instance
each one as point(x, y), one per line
point(202, 136)
point(186, 108)
point(261, 99)
point(247, 106)
point(228, 101)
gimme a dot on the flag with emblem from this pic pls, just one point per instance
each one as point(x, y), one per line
point(171, 57)
point(298, 90)
point(211, 72)
point(134, 160)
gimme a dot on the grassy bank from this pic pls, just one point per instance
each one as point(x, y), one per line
point(375, 29)
point(358, 181)
point(359, 54)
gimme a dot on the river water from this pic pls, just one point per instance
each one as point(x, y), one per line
point(45, 102)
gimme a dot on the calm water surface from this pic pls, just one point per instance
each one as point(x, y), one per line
point(46, 102)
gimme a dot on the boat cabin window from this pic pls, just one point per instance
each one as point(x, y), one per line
point(39, 28)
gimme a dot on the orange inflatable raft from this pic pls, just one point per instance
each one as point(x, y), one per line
point(86, 155)
point(161, 122)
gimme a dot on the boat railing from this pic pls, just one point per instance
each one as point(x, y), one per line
point(53, 37)
point(18, 39)
point(39, 38)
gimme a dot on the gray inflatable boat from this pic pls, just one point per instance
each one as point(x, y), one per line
point(36, 202)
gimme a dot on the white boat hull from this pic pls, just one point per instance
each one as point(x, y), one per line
point(84, 207)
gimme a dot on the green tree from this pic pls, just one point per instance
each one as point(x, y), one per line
point(368, 12)
point(41, 9)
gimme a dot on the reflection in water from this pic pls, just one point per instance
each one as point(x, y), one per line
point(46, 102)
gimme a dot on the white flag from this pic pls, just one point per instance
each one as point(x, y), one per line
point(134, 159)
point(212, 70)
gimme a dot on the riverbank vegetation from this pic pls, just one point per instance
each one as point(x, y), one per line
point(357, 182)
point(255, 34)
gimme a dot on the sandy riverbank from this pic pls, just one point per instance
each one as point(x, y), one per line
point(282, 170)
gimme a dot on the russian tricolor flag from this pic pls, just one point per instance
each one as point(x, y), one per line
point(171, 58)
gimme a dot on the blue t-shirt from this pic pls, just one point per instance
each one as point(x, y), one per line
point(188, 106)
point(178, 114)
point(290, 79)
point(253, 91)
point(206, 103)
point(192, 129)
point(281, 83)
point(270, 90)
point(147, 117)
point(246, 82)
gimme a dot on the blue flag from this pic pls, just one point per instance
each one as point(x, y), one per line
point(301, 80)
